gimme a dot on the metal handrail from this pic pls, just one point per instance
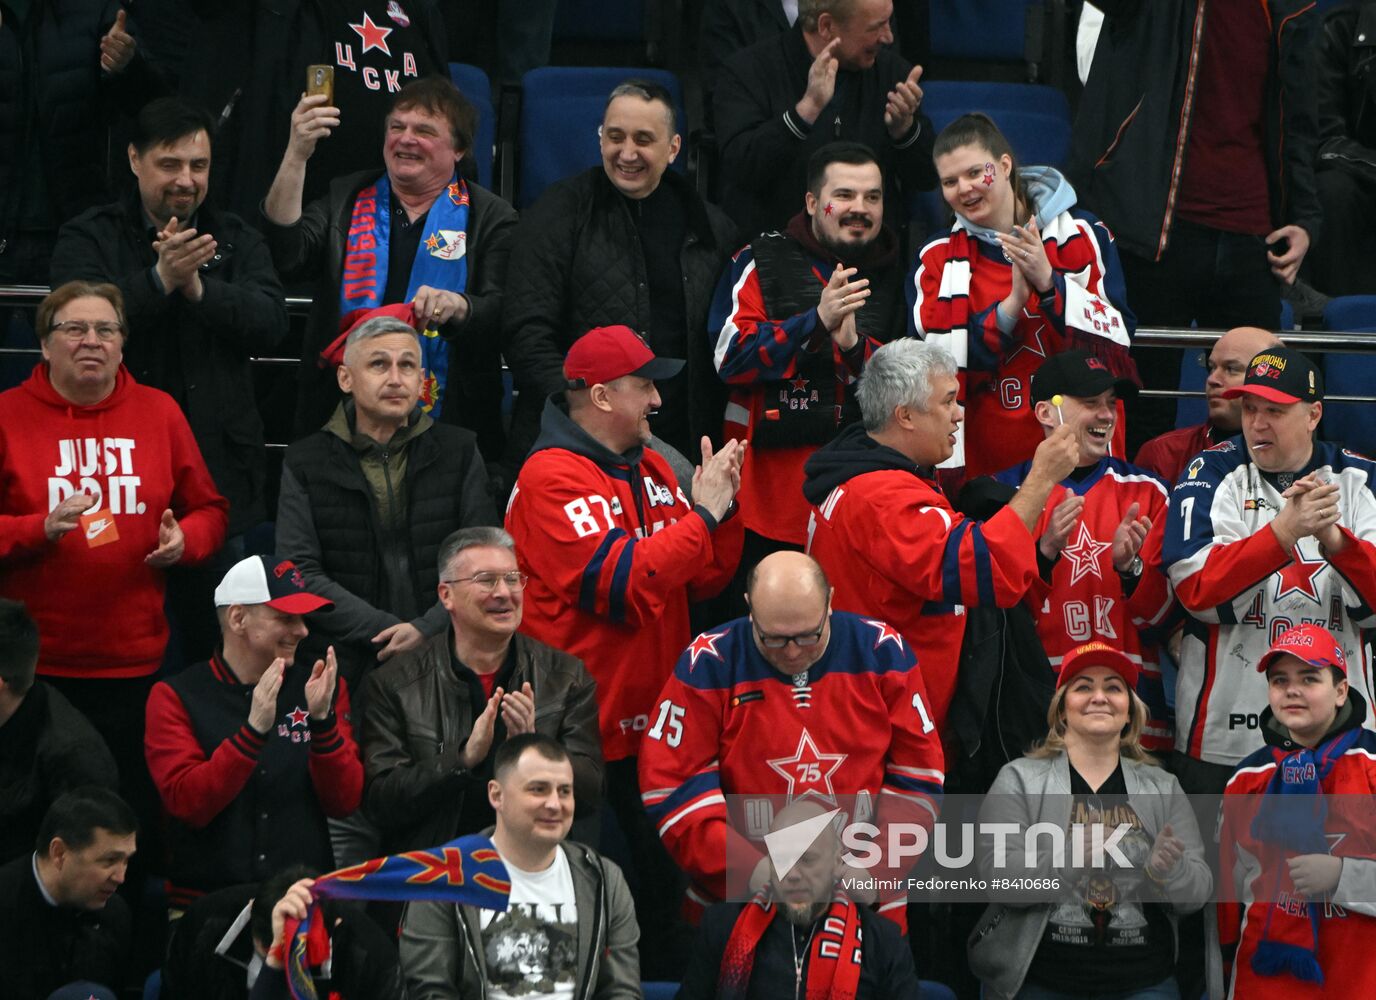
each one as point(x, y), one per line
point(1317, 342)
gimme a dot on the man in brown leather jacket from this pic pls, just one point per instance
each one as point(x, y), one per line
point(434, 718)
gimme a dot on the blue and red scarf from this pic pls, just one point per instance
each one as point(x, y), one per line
point(467, 872)
point(1292, 819)
point(441, 262)
point(833, 950)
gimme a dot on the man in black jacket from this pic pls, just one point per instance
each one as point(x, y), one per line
point(47, 747)
point(1343, 260)
point(627, 243)
point(201, 298)
point(831, 76)
point(1195, 144)
point(367, 499)
point(60, 919)
point(419, 233)
point(68, 70)
point(434, 720)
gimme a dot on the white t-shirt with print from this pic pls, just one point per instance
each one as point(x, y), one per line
point(531, 950)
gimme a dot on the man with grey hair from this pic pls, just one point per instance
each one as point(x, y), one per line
point(367, 500)
point(434, 718)
point(629, 242)
point(930, 562)
point(832, 76)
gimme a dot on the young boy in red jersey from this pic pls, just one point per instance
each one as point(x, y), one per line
point(1301, 847)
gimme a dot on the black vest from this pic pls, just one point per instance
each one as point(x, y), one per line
point(276, 820)
point(809, 408)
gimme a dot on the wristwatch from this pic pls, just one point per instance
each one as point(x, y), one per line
point(1134, 567)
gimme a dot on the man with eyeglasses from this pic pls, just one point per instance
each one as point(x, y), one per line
point(1226, 364)
point(435, 718)
point(793, 701)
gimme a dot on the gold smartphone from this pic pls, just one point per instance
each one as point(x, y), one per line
point(320, 80)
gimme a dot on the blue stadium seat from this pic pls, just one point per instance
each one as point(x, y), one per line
point(475, 86)
point(152, 986)
point(659, 991)
point(561, 108)
point(1352, 424)
point(1036, 119)
point(980, 29)
point(600, 20)
point(930, 989)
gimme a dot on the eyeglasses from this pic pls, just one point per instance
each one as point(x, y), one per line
point(803, 640)
point(75, 329)
point(487, 582)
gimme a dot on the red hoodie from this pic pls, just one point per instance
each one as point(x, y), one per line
point(99, 609)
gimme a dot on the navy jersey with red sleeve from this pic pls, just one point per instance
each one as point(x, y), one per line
point(853, 731)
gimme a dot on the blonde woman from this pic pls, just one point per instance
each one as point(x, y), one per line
point(1078, 930)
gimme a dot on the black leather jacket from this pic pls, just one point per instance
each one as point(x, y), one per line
point(1345, 82)
point(418, 716)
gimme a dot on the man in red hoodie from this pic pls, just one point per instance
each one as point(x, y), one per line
point(102, 488)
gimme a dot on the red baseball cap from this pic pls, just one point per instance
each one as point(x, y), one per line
point(1098, 654)
point(1313, 644)
point(606, 353)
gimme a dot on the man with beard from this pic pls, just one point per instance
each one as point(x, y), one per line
point(794, 318)
point(800, 927)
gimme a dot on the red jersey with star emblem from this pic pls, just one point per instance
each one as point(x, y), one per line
point(1084, 599)
point(954, 295)
point(751, 350)
point(729, 724)
point(376, 47)
point(1242, 589)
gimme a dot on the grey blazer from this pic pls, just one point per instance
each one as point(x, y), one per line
point(1037, 790)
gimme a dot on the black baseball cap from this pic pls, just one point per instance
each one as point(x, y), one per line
point(1281, 375)
point(1077, 373)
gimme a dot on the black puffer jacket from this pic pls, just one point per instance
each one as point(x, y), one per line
point(314, 248)
point(1345, 77)
point(53, 93)
point(1133, 125)
point(196, 351)
point(328, 524)
point(576, 264)
point(417, 721)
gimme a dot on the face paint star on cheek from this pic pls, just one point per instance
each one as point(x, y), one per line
point(989, 174)
point(828, 210)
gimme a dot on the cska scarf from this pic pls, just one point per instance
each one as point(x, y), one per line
point(833, 963)
point(467, 872)
point(1291, 819)
point(441, 262)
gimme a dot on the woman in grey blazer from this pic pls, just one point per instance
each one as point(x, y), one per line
point(1058, 929)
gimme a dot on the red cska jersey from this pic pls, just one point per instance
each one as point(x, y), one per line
point(728, 723)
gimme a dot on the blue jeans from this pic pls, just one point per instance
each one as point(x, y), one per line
point(1164, 990)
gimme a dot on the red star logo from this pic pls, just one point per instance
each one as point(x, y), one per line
point(705, 643)
point(374, 36)
point(1097, 304)
point(1032, 342)
point(1297, 577)
point(799, 384)
point(828, 211)
point(807, 771)
point(1084, 555)
point(298, 716)
point(887, 633)
point(432, 241)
